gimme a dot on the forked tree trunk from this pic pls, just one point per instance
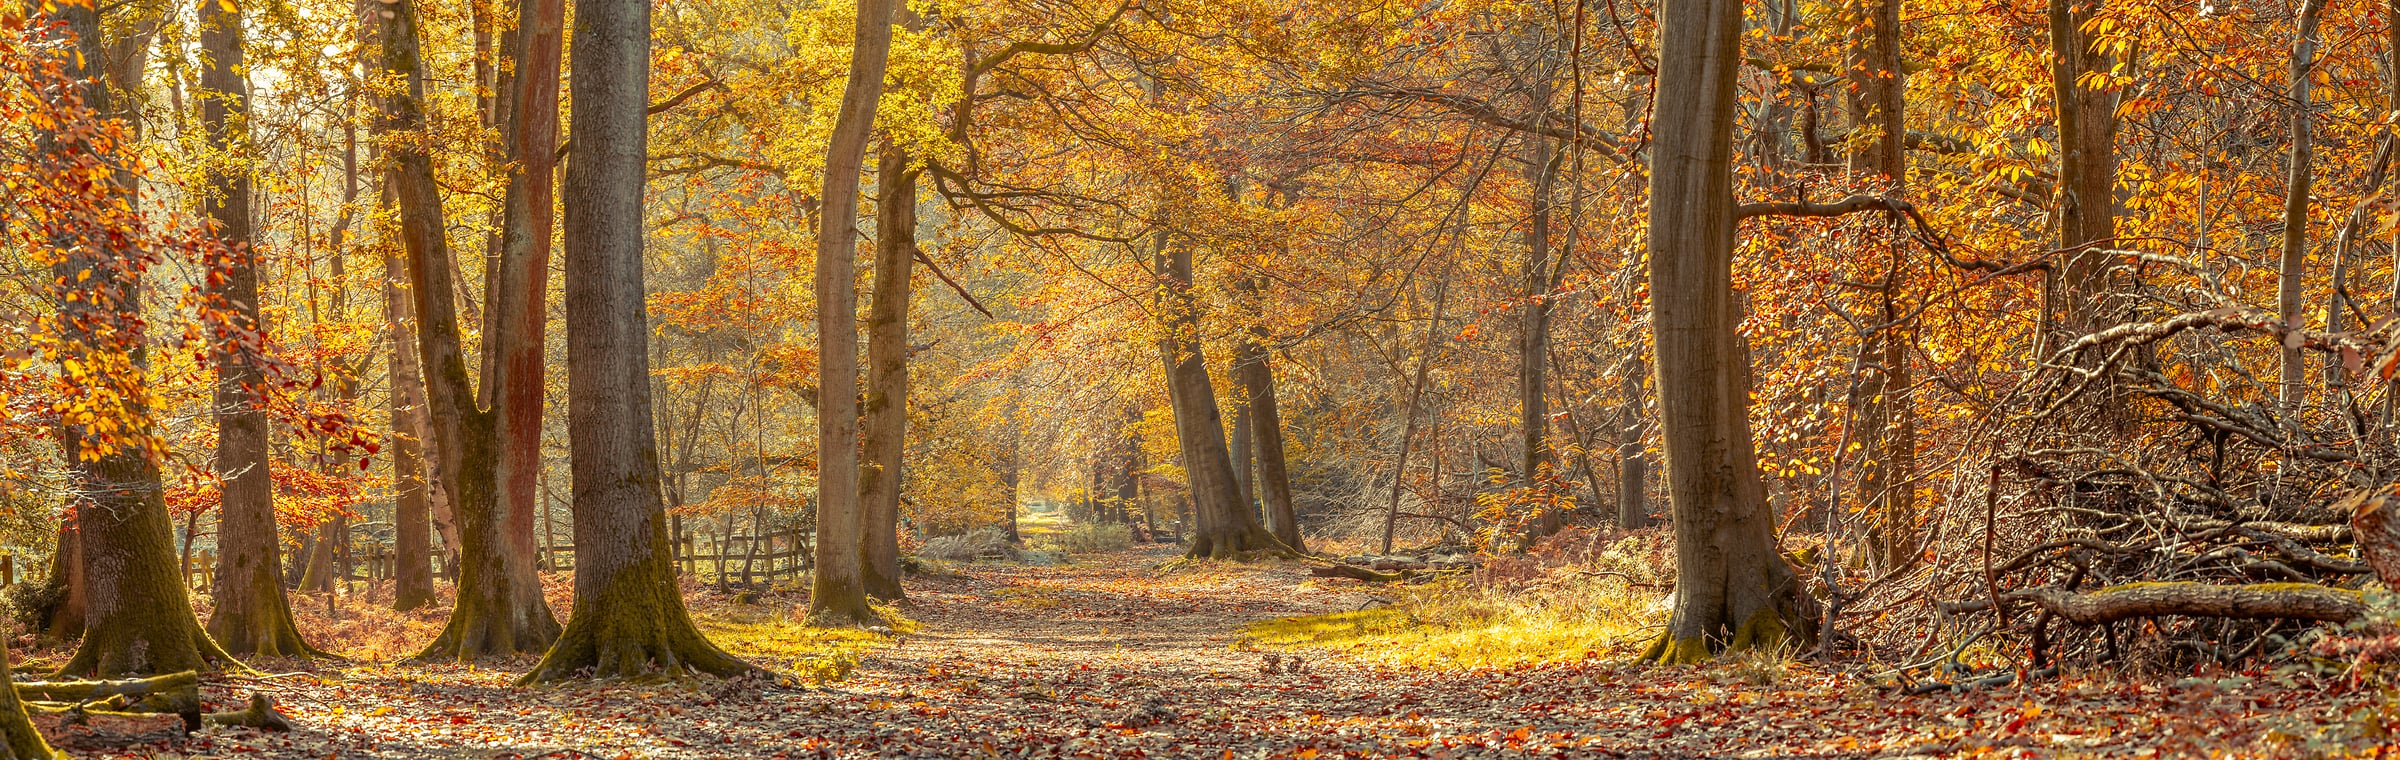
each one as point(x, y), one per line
point(500, 610)
point(1733, 589)
point(1274, 481)
point(1887, 418)
point(629, 617)
point(884, 420)
point(838, 596)
point(137, 614)
point(517, 298)
point(252, 614)
point(1226, 527)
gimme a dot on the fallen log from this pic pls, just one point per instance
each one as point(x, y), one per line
point(177, 693)
point(1359, 573)
point(2291, 601)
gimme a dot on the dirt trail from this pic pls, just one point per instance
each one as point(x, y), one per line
point(1108, 657)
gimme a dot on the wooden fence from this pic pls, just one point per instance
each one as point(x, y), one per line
point(742, 559)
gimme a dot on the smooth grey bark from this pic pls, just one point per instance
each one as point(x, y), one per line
point(884, 420)
point(838, 594)
point(1733, 589)
point(412, 510)
point(629, 618)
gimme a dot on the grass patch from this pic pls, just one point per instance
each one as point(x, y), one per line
point(771, 636)
point(1451, 624)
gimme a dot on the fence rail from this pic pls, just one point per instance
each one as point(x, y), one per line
point(746, 559)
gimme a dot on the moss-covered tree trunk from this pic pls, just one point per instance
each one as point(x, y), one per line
point(1226, 525)
point(137, 615)
point(500, 610)
point(1733, 590)
point(252, 615)
point(18, 738)
point(629, 617)
point(884, 419)
point(838, 593)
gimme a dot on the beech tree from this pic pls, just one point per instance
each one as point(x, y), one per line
point(838, 594)
point(1733, 590)
point(884, 419)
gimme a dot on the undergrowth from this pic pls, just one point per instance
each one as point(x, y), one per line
point(1577, 596)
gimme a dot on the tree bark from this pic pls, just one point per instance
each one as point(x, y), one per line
point(18, 737)
point(629, 617)
point(1227, 528)
point(412, 535)
point(252, 614)
point(838, 594)
point(1633, 459)
point(1733, 589)
point(137, 613)
point(517, 299)
point(1887, 419)
point(2087, 166)
point(2293, 377)
point(499, 610)
point(1256, 378)
point(884, 420)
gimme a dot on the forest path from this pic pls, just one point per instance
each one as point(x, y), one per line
point(1110, 657)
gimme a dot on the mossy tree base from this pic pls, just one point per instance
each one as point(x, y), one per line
point(477, 631)
point(1765, 630)
point(633, 625)
point(18, 738)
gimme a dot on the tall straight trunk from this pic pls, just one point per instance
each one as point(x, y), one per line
point(2294, 270)
point(884, 420)
point(1733, 589)
point(1237, 442)
point(2087, 164)
point(1227, 527)
point(252, 615)
point(1633, 460)
point(137, 613)
point(517, 298)
point(499, 610)
point(1877, 89)
point(1887, 419)
point(1014, 472)
point(412, 516)
point(1533, 338)
point(838, 593)
point(1129, 472)
point(1256, 378)
point(629, 619)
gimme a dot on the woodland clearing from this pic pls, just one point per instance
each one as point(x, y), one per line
point(1110, 656)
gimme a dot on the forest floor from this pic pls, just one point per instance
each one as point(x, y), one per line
point(1112, 657)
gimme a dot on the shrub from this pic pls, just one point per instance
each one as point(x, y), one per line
point(1085, 539)
point(981, 543)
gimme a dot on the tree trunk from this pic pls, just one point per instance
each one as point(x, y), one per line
point(1733, 590)
point(1274, 482)
point(1237, 443)
point(412, 535)
point(884, 420)
point(838, 595)
point(499, 609)
point(1887, 420)
point(1633, 459)
point(66, 573)
point(1227, 528)
point(19, 739)
point(316, 573)
point(137, 613)
point(2294, 270)
point(517, 299)
point(252, 615)
point(629, 619)
point(2087, 165)
point(1533, 339)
